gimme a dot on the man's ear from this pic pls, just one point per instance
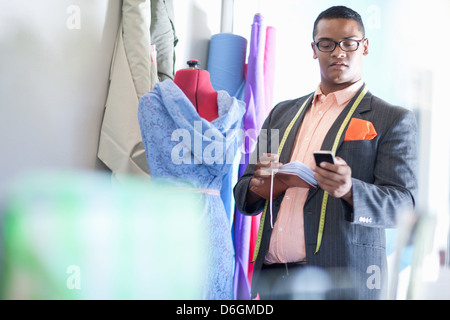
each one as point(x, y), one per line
point(313, 46)
point(366, 47)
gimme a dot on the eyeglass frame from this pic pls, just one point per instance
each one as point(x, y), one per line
point(339, 44)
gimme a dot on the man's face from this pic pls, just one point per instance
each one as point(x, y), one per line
point(339, 68)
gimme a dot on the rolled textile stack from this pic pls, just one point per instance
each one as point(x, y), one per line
point(226, 65)
point(258, 99)
point(269, 80)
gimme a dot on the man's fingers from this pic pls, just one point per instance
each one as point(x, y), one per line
point(261, 173)
point(269, 159)
point(256, 182)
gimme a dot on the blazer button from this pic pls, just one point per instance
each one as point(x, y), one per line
point(365, 219)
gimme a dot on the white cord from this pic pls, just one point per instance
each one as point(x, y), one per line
point(271, 197)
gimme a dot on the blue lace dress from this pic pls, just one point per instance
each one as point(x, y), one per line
point(190, 151)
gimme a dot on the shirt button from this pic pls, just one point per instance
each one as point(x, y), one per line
point(280, 229)
point(306, 139)
point(320, 113)
point(287, 197)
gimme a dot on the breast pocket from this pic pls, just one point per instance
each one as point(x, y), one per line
point(368, 237)
point(360, 155)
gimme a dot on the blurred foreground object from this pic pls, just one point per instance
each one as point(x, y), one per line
point(76, 236)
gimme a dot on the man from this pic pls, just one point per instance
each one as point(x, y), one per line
point(338, 228)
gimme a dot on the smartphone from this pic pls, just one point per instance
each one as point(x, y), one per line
point(324, 156)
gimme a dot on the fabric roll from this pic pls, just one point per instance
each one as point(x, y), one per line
point(242, 232)
point(226, 65)
point(269, 80)
point(254, 228)
point(253, 119)
point(269, 67)
point(254, 87)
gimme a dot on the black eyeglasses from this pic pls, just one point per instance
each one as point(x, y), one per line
point(347, 45)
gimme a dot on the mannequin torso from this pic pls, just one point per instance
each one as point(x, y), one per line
point(196, 85)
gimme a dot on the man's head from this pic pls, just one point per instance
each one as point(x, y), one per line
point(340, 12)
point(339, 44)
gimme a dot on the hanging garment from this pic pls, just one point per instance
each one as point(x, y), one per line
point(188, 150)
point(120, 145)
point(154, 67)
point(134, 73)
point(163, 36)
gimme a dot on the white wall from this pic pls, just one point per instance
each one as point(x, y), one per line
point(195, 22)
point(55, 57)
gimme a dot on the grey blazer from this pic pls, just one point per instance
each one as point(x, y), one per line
point(384, 183)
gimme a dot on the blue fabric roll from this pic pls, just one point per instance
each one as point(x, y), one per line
point(226, 65)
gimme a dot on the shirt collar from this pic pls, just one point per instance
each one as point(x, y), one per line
point(342, 96)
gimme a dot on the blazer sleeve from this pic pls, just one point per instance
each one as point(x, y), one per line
point(241, 188)
point(395, 183)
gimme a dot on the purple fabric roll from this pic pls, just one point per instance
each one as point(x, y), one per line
point(253, 119)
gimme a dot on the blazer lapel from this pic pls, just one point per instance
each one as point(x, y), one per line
point(286, 153)
point(364, 106)
point(328, 142)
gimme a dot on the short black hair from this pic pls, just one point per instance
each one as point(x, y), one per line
point(341, 12)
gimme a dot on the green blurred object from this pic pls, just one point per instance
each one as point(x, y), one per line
point(75, 235)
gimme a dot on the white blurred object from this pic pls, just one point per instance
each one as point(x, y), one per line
point(73, 235)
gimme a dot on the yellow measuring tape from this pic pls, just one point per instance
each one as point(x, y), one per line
point(280, 148)
point(325, 195)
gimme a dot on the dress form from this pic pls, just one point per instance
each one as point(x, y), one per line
point(196, 85)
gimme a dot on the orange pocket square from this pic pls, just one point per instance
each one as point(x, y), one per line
point(359, 129)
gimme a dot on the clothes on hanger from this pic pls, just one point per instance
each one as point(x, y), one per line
point(146, 26)
point(163, 36)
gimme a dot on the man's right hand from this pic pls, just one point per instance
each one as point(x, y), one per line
point(266, 161)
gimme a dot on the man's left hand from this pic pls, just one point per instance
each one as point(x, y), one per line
point(336, 179)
